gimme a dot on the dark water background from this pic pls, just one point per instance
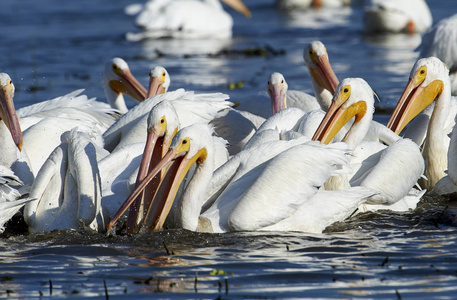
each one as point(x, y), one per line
point(51, 48)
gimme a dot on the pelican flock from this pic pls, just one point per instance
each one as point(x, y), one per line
point(282, 160)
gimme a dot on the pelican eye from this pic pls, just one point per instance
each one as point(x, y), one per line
point(184, 142)
point(422, 71)
point(162, 121)
point(282, 81)
point(11, 82)
point(346, 90)
point(163, 74)
point(115, 67)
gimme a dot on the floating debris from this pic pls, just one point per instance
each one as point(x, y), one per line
point(168, 251)
point(196, 281)
point(106, 290)
point(236, 85)
point(226, 286)
point(219, 272)
point(266, 51)
point(216, 272)
point(385, 261)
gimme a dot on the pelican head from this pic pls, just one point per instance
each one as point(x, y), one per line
point(119, 78)
point(277, 88)
point(316, 59)
point(159, 81)
point(353, 97)
point(7, 111)
point(163, 124)
point(190, 145)
point(426, 83)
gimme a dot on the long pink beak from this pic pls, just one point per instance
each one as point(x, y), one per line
point(9, 116)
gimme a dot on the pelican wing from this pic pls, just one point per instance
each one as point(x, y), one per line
point(190, 108)
point(285, 183)
point(324, 209)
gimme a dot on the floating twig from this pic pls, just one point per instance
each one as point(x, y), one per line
point(385, 261)
point(196, 281)
point(166, 248)
point(106, 290)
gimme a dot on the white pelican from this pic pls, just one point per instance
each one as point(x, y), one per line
point(10, 201)
point(279, 97)
point(323, 79)
point(11, 137)
point(117, 81)
point(239, 126)
point(391, 171)
point(301, 4)
point(255, 189)
point(159, 81)
point(81, 184)
point(428, 82)
point(441, 42)
point(186, 19)
point(67, 188)
point(163, 124)
point(410, 16)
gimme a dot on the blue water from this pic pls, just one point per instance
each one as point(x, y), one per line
point(51, 48)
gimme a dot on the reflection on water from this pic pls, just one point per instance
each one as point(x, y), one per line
point(153, 49)
point(395, 51)
point(318, 18)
